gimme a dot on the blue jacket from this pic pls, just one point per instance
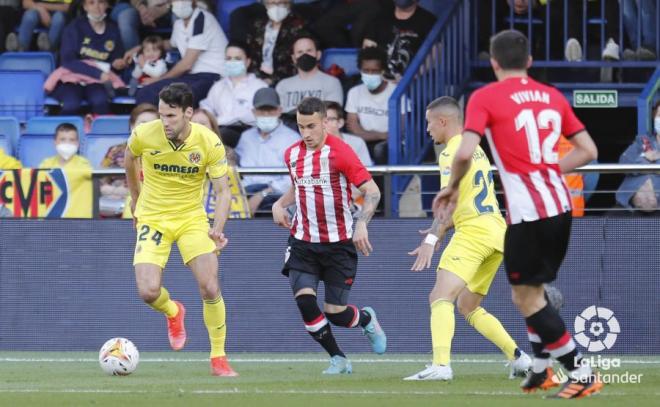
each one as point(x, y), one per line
point(632, 182)
point(80, 41)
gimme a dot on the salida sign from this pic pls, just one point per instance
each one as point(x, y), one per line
point(34, 193)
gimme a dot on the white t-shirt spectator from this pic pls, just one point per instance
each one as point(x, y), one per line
point(360, 147)
point(320, 85)
point(232, 103)
point(371, 108)
point(202, 33)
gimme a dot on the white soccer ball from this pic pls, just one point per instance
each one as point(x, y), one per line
point(119, 357)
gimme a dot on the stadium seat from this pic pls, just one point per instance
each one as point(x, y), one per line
point(28, 61)
point(224, 9)
point(22, 94)
point(344, 57)
point(96, 146)
point(9, 127)
point(33, 148)
point(110, 125)
point(5, 145)
point(47, 124)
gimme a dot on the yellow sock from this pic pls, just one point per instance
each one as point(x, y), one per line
point(214, 319)
point(164, 304)
point(442, 330)
point(491, 328)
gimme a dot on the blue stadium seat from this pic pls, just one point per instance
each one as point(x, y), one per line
point(5, 145)
point(27, 61)
point(344, 57)
point(9, 127)
point(47, 124)
point(96, 146)
point(33, 148)
point(110, 125)
point(224, 9)
point(21, 94)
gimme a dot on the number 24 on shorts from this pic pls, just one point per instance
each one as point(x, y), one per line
point(144, 231)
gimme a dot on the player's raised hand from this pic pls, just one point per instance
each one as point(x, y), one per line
point(444, 203)
point(281, 216)
point(219, 239)
point(424, 255)
point(361, 238)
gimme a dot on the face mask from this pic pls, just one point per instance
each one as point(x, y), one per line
point(267, 123)
point(403, 3)
point(277, 13)
point(656, 125)
point(234, 68)
point(66, 150)
point(371, 81)
point(182, 9)
point(96, 19)
point(306, 62)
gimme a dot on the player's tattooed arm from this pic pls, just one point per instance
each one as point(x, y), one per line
point(371, 200)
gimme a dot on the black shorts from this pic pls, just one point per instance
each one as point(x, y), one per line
point(334, 263)
point(534, 251)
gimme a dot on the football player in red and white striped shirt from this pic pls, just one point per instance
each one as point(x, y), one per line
point(522, 120)
point(322, 245)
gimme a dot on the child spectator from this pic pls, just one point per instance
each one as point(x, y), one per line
point(149, 62)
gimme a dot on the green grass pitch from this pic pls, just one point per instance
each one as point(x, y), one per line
point(182, 379)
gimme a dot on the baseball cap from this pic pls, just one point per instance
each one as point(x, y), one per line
point(266, 97)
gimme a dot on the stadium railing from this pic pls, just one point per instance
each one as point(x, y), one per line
point(390, 172)
point(645, 103)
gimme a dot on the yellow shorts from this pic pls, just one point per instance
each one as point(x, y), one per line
point(474, 262)
point(155, 238)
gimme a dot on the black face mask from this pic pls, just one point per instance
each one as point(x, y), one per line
point(306, 62)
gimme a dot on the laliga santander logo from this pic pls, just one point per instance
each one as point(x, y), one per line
point(596, 328)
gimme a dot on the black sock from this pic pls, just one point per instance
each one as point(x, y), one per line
point(316, 324)
point(550, 328)
point(350, 317)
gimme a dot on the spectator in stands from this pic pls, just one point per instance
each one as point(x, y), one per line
point(239, 207)
point(401, 32)
point(8, 162)
point(270, 38)
point(91, 50)
point(133, 16)
point(67, 143)
point(10, 15)
point(230, 99)
point(347, 22)
point(115, 196)
point(642, 191)
point(50, 14)
point(264, 146)
point(201, 43)
point(645, 44)
point(309, 81)
point(367, 103)
point(334, 118)
point(149, 62)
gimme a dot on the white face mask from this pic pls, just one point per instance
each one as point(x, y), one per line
point(66, 150)
point(96, 19)
point(656, 125)
point(277, 13)
point(267, 123)
point(182, 9)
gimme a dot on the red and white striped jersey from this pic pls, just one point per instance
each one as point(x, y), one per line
point(522, 120)
point(322, 180)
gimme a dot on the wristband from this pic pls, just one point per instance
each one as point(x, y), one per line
point(431, 239)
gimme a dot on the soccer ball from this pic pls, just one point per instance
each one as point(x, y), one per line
point(118, 357)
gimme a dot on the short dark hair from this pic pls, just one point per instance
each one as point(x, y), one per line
point(510, 48)
point(306, 35)
point(177, 94)
point(311, 105)
point(446, 101)
point(240, 45)
point(332, 105)
point(372, 54)
point(66, 127)
point(156, 41)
